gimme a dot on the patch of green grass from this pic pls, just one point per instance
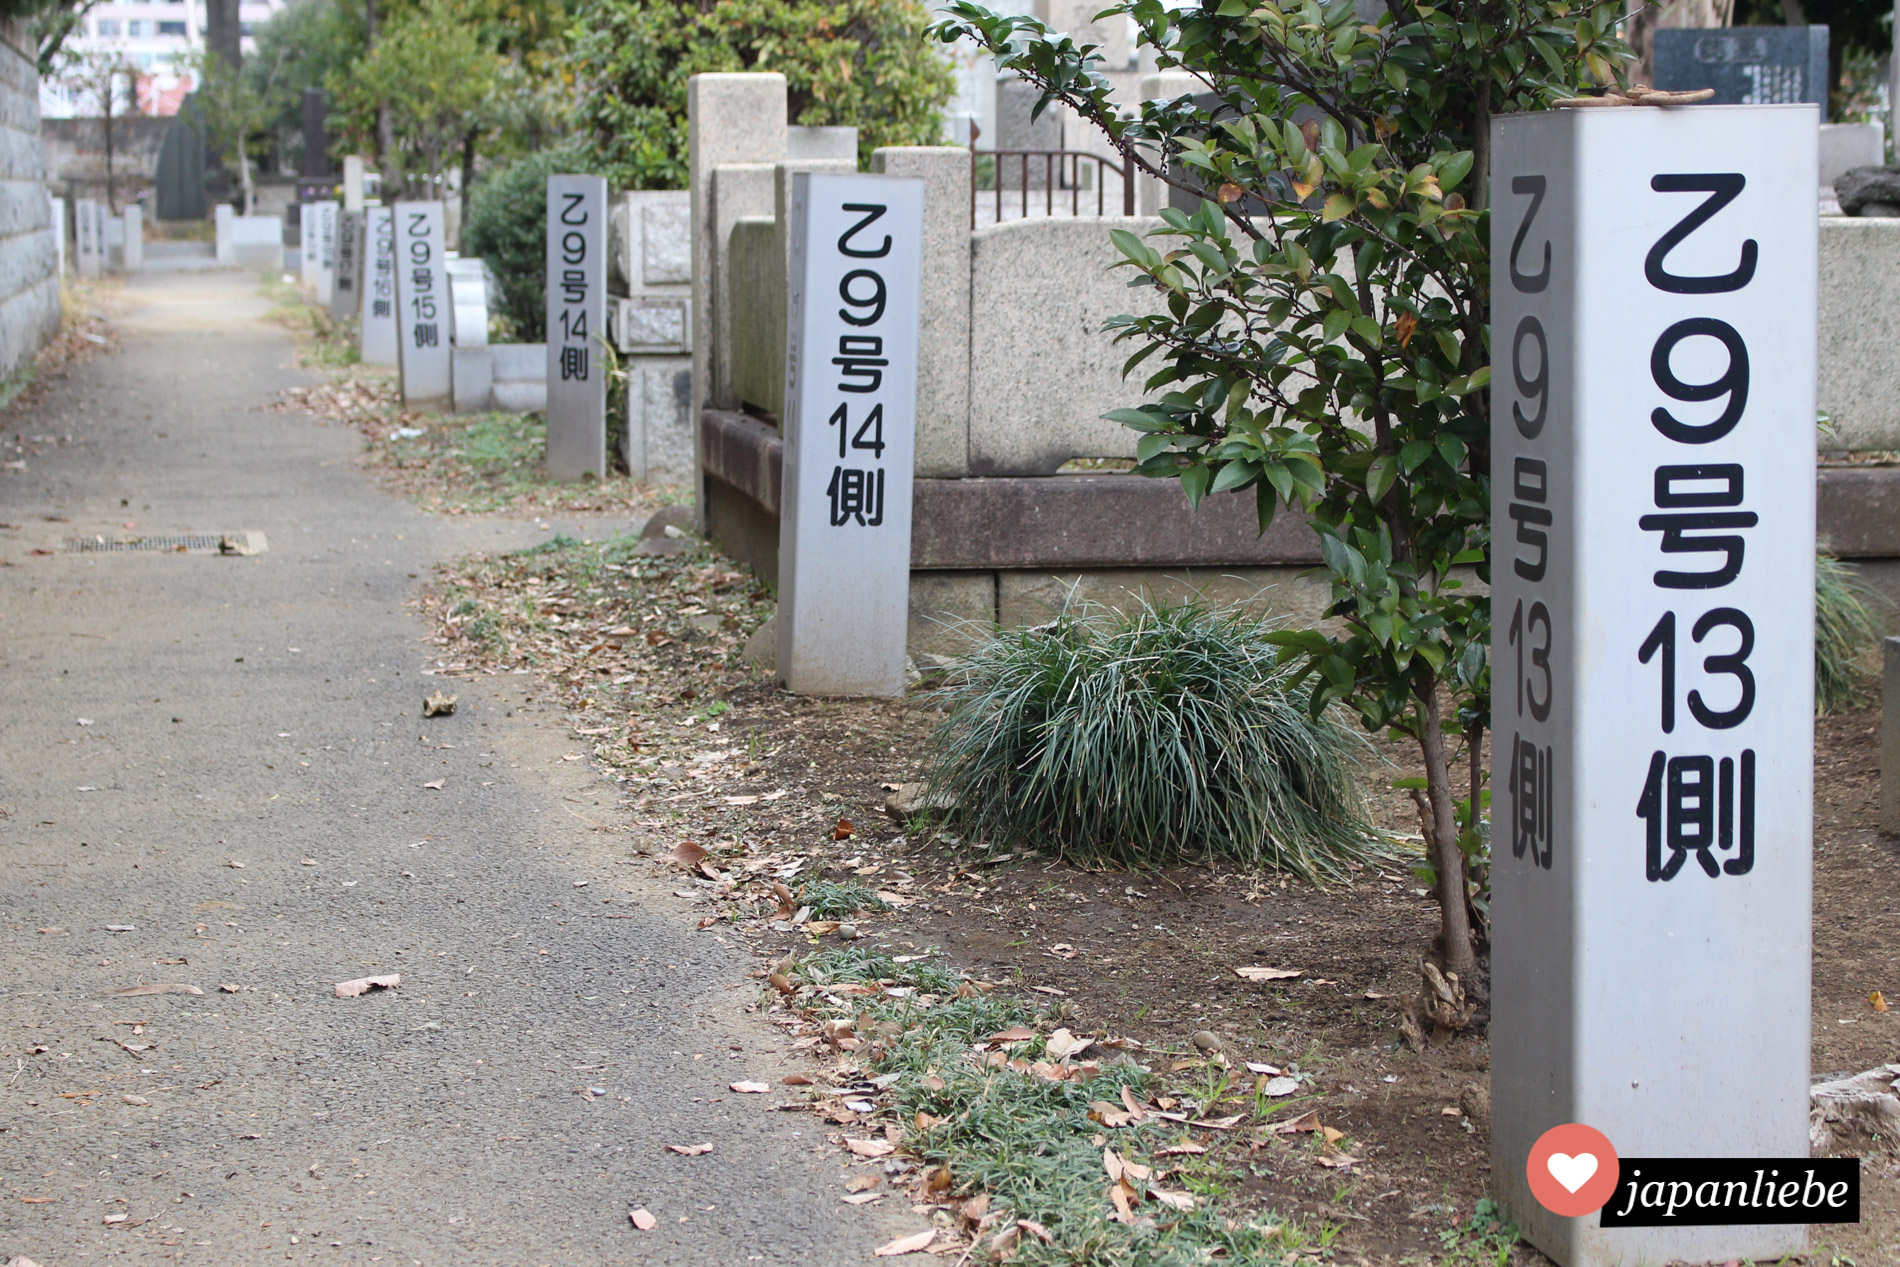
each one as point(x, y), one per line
point(1485, 1240)
point(1164, 734)
point(832, 899)
point(1845, 635)
point(1030, 1143)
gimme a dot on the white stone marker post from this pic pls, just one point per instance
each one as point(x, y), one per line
point(577, 325)
point(347, 283)
point(378, 333)
point(422, 304)
point(1652, 449)
point(327, 221)
point(88, 242)
point(134, 255)
point(57, 209)
point(308, 252)
point(856, 245)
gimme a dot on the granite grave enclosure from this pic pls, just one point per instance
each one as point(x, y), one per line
point(1014, 375)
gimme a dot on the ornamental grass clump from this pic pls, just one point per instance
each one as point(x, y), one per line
point(1166, 734)
point(1845, 633)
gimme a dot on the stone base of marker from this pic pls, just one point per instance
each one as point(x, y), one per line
point(472, 379)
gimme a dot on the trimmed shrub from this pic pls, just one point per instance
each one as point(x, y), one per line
point(862, 62)
point(1845, 633)
point(1166, 734)
point(507, 227)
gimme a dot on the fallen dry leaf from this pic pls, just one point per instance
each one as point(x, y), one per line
point(1303, 1124)
point(845, 831)
point(1014, 1034)
point(1268, 974)
point(861, 1198)
point(1186, 1148)
point(906, 1245)
point(235, 865)
point(1338, 1163)
point(436, 784)
point(438, 704)
point(230, 988)
point(687, 854)
point(642, 1220)
point(863, 1183)
point(363, 985)
point(751, 1088)
point(795, 1080)
point(1331, 1136)
point(134, 991)
point(1173, 1200)
point(690, 1150)
point(1062, 1044)
point(871, 1147)
point(1277, 1087)
point(1879, 1001)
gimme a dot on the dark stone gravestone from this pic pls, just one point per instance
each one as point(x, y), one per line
point(1747, 65)
point(180, 178)
point(316, 139)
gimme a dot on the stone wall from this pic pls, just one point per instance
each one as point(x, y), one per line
point(29, 282)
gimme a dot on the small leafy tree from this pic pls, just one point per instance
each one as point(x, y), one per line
point(432, 71)
point(1322, 339)
point(236, 113)
point(845, 62)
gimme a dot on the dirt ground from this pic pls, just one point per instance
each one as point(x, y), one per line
point(775, 785)
point(781, 791)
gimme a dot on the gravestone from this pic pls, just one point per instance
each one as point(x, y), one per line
point(577, 326)
point(422, 303)
point(179, 180)
point(346, 288)
point(327, 213)
point(1747, 65)
point(1016, 100)
point(353, 182)
point(316, 135)
point(1655, 320)
point(378, 334)
point(89, 244)
point(850, 431)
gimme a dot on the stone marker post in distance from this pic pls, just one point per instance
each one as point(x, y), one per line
point(346, 289)
point(577, 326)
point(327, 223)
point(850, 432)
point(1652, 473)
point(378, 333)
point(422, 304)
point(86, 238)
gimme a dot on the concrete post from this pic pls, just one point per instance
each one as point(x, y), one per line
point(222, 217)
point(353, 182)
point(1890, 736)
point(943, 338)
point(134, 237)
point(1150, 194)
point(731, 118)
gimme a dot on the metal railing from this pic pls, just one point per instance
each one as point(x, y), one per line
point(1061, 172)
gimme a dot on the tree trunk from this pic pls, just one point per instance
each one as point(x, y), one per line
point(1646, 17)
point(1447, 859)
point(105, 124)
point(468, 181)
point(244, 174)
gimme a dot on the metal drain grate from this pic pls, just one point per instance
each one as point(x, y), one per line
point(179, 543)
